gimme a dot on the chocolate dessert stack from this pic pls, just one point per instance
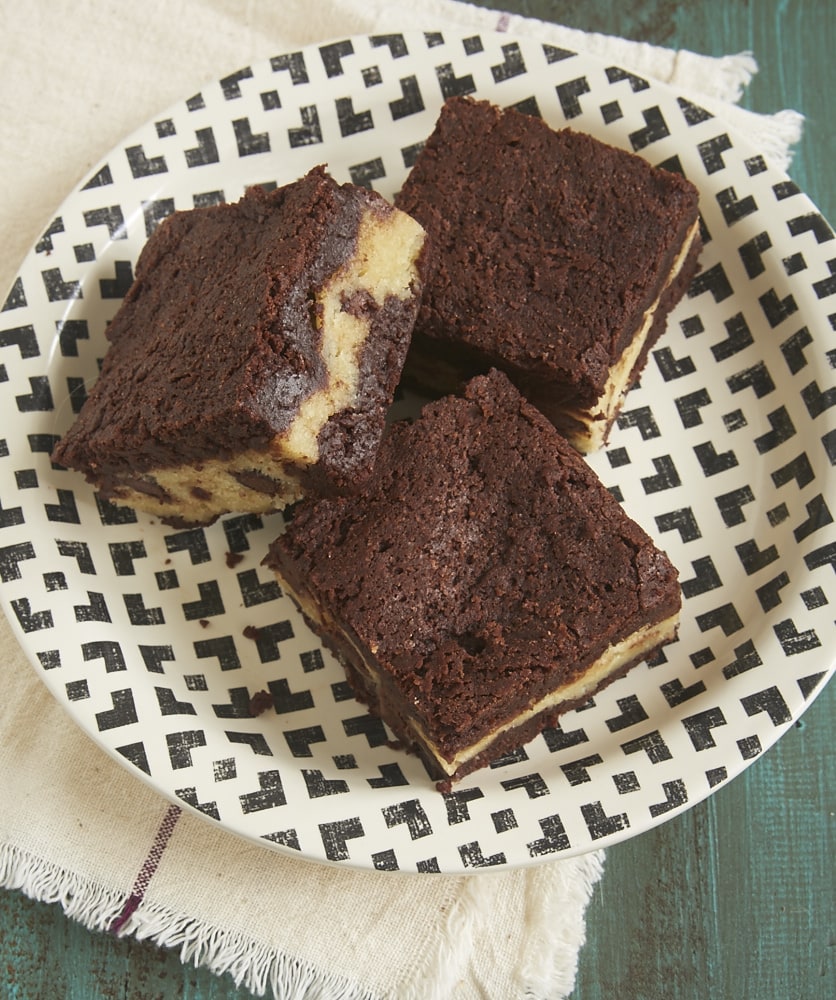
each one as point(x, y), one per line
point(468, 568)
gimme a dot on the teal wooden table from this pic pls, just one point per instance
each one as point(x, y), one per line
point(735, 898)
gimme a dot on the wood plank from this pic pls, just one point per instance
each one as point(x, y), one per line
point(735, 897)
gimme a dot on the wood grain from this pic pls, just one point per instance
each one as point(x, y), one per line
point(736, 897)
point(732, 899)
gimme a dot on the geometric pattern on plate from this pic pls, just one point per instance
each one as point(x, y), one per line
point(156, 639)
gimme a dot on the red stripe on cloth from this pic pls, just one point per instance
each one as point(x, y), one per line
point(149, 866)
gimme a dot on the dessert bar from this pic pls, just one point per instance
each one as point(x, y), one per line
point(483, 583)
point(255, 356)
point(559, 258)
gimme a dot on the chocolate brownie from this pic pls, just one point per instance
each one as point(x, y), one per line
point(484, 582)
point(255, 356)
point(559, 259)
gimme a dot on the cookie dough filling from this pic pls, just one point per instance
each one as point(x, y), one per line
point(384, 266)
point(367, 678)
point(588, 429)
point(616, 661)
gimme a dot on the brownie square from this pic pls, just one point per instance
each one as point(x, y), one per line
point(255, 356)
point(559, 258)
point(483, 583)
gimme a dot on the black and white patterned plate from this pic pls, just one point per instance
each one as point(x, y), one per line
point(155, 639)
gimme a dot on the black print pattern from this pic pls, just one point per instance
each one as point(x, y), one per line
point(162, 643)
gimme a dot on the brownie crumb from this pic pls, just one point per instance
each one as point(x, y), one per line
point(260, 702)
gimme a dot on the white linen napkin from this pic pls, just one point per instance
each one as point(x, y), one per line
point(74, 78)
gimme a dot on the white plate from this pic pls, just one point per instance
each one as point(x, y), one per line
point(724, 453)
